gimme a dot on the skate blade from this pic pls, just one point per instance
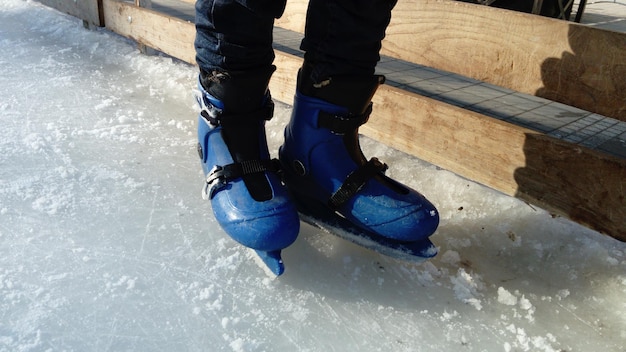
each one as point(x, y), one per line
point(270, 261)
point(335, 224)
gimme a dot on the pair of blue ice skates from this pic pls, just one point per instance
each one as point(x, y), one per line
point(321, 174)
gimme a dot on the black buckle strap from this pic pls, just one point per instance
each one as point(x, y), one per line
point(214, 115)
point(355, 181)
point(266, 113)
point(208, 110)
point(220, 176)
point(339, 124)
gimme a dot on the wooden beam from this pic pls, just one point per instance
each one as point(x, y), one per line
point(588, 187)
point(563, 61)
point(146, 50)
point(576, 182)
point(167, 34)
point(87, 10)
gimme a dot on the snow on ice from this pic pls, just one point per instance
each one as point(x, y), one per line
point(106, 244)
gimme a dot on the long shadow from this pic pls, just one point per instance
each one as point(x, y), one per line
point(591, 77)
point(587, 186)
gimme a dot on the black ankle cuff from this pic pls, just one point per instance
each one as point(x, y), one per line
point(239, 91)
point(352, 92)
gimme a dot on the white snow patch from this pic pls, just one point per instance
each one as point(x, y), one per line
point(505, 297)
point(466, 288)
point(562, 294)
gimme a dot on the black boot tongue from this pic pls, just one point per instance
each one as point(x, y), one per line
point(246, 108)
point(244, 143)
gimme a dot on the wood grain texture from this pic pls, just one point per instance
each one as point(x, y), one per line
point(170, 35)
point(87, 10)
point(563, 61)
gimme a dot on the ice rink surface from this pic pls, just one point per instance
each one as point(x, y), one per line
point(107, 245)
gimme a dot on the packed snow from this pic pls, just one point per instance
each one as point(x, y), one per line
point(107, 245)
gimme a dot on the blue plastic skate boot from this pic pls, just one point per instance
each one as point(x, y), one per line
point(248, 199)
point(324, 166)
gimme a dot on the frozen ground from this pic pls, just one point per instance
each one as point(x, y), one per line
point(106, 244)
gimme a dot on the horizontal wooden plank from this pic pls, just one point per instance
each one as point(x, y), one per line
point(563, 61)
point(167, 34)
point(87, 10)
point(586, 186)
point(589, 187)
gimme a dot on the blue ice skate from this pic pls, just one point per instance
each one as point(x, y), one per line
point(248, 199)
point(325, 167)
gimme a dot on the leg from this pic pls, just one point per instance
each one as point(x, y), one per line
point(235, 35)
point(323, 162)
point(343, 37)
point(234, 52)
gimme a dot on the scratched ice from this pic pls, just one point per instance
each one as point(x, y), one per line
point(106, 244)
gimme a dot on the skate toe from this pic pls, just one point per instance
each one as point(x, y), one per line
point(405, 218)
point(266, 226)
